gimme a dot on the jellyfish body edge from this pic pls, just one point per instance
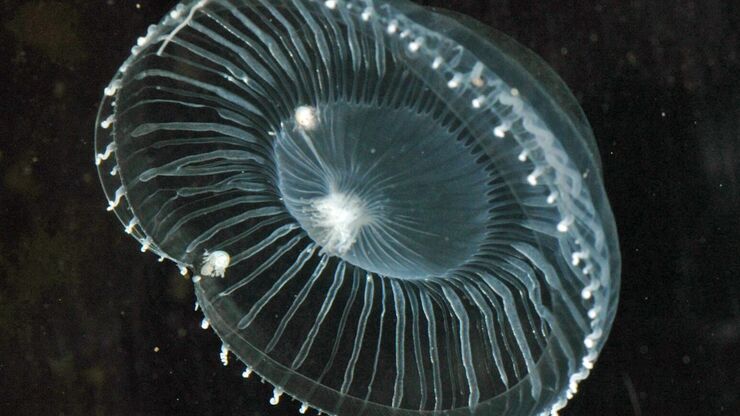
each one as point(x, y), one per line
point(553, 151)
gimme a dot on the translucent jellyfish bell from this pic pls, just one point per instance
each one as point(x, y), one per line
point(385, 209)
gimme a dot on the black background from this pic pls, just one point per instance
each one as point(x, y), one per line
point(88, 325)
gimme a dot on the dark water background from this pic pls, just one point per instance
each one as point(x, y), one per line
point(90, 326)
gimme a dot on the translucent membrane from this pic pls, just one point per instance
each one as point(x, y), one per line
point(386, 211)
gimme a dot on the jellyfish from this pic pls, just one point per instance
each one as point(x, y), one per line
point(384, 209)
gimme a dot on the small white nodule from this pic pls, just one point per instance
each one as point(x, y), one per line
point(276, 393)
point(306, 117)
point(224, 355)
point(500, 131)
point(215, 264)
point(336, 220)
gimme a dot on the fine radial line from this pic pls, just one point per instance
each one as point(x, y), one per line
point(516, 326)
point(380, 339)
point(400, 305)
point(480, 302)
point(342, 325)
point(264, 266)
point(297, 302)
point(428, 308)
point(331, 296)
point(415, 320)
point(466, 354)
point(289, 274)
point(360, 335)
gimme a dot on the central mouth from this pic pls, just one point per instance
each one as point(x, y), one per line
point(391, 190)
point(336, 220)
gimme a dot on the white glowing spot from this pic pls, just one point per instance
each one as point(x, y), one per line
point(114, 203)
point(392, 27)
point(438, 61)
point(589, 360)
point(196, 278)
point(406, 33)
point(500, 131)
point(224, 355)
point(588, 291)
point(478, 102)
point(276, 393)
point(514, 92)
point(215, 264)
point(146, 244)
point(532, 177)
point(111, 89)
point(247, 372)
point(135, 50)
point(303, 409)
point(100, 157)
point(573, 387)
point(523, 155)
point(336, 220)
point(177, 13)
point(114, 171)
point(552, 197)
point(589, 343)
point(107, 122)
point(416, 44)
point(577, 256)
point(306, 117)
point(588, 269)
point(196, 306)
point(594, 312)
point(204, 323)
point(131, 224)
point(183, 270)
point(367, 14)
point(565, 224)
point(455, 81)
point(332, 4)
point(476, 74)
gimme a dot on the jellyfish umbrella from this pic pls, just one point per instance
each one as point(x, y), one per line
point(385, 210)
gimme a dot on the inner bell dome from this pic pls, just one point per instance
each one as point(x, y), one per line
point(394, 191)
